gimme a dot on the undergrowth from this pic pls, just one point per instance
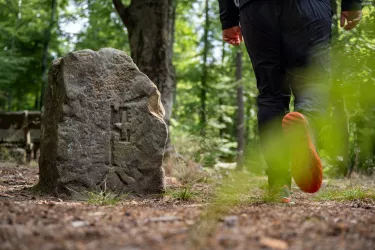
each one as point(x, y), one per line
point(183, 194)
point(349, 193)
point(104, 198)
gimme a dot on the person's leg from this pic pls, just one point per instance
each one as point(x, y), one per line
point(261, 31)
point(306, 26)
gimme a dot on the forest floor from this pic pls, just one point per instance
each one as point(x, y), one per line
point(340, 216)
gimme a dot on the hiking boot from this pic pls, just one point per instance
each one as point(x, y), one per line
point(284, 195)
point(280, 195)
point(306, 166)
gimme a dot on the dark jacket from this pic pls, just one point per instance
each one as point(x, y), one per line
point(229, 12)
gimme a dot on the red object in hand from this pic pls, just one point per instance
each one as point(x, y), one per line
point(306, 165)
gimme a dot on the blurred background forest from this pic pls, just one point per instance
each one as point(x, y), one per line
point(207, 87)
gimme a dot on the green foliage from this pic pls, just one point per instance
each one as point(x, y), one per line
point(183, 194)
point(204, 151)
point(103, 27)
point(103, 198)
point(349, 193)
point(353, 86)
point(219, 141)
point(4, 154)
point(23, 27)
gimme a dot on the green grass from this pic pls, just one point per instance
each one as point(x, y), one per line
point(349, 193)
point(183, 194)
point(104, 198)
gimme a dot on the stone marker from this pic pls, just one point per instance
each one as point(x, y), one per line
point(102, 126)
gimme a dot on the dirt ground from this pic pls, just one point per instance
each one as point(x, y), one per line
point(29, 221)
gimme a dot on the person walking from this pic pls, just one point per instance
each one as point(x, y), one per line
point(288, 42)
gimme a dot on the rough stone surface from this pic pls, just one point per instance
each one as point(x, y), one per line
point(102, 126)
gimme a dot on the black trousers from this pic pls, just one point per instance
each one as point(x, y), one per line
point(288, 42)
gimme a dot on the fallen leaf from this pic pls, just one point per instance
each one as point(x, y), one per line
point(273, 243)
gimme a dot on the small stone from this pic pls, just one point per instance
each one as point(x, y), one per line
point(231, 221)
point(353, 221)
point(79, 223)
point(133, 202)
point(244, 216)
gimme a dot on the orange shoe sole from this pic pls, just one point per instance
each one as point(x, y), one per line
point(306, 166)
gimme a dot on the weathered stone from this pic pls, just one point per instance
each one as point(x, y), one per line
point(102, 126)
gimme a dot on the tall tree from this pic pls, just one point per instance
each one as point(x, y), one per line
point(340, 119)
point(335, 17)
point(150, 26)
point(46, 43)
point(240, 110)
point(203, 94)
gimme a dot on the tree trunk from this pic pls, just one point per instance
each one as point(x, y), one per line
point(9, 100)
point(172, 23)
point(240, 111)
point(340, 118)
point(150, 28)
point(341, 125)
point(203, 94)
point(221, 119)
point(335, 30)
point(45, 50)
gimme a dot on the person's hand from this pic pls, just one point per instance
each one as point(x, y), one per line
point(352, 19)
point(233, 35)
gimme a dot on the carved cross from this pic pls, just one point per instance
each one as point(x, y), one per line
point(124, 125)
